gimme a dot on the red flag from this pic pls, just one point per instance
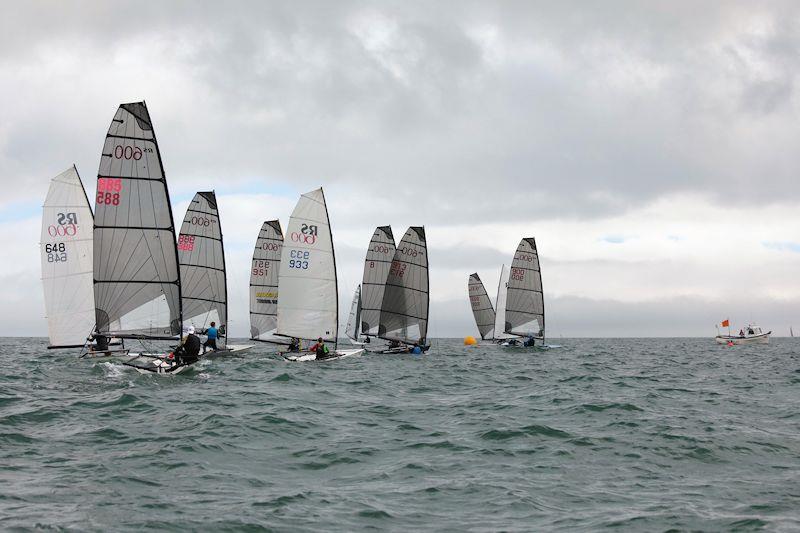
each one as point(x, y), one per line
point(726, 323)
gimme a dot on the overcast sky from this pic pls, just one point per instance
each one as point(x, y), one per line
point(650, 147)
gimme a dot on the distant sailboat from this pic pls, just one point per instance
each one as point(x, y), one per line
point(377, 263)
point(353, 328)
point(264, 284)
point(525, 303)
point(66, 248)
point(406, 300)
point(500, 308)
point(308, 307)
point(201, 256)
point(482, 309)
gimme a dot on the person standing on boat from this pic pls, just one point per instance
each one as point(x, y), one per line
point(320, 349)
point(741, 333)
point(212, 334)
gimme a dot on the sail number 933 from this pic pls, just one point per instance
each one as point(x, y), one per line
point(299, 259)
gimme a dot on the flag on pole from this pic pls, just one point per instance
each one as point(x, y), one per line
point(726, 323)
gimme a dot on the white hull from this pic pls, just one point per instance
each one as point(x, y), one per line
point(751, 339)
point(338, 354)
point(229, 349)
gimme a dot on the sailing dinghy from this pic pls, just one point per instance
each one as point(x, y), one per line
point(406, 301)
point(524, 316)
point(353, 329)
point(66, 247)
point(264, 284)
point(201, 256)
point(481, 305)
point(308, 307)
point(377, 262)
point(137, 290)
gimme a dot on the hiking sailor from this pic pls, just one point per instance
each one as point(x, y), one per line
point(320, 348)
point(189, 350)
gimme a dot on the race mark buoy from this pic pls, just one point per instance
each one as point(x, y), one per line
point(469, 340)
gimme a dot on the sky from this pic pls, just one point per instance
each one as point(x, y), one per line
point(651, 148)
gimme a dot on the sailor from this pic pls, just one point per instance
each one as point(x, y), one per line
point(741, 333)
point(189, 350)
point(100, 343)
point(320, 348)
point(294, 345)
point(394, 344)
point(529, 342)
point(212, 334)
point(415, 350)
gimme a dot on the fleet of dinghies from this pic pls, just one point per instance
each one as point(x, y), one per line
point(519, 316)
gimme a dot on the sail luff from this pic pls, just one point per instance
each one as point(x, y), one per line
point(482, 309)
point(500, 306)
point(137, 284)
point(525, 302)
point(67, 266)
point(354, 319)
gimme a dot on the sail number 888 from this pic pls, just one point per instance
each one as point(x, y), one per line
point(299, 259)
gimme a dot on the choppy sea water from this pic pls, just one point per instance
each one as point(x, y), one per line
point(633, 434)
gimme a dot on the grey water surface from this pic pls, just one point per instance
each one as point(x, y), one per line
point(632, 434)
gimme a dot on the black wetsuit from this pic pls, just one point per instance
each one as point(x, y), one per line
point(189, 351)
point(100, 343)
point(294, 346)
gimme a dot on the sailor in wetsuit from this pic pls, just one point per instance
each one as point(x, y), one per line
point(212, 334)
point(294, 345)
point(189, 351)
point(321, 350)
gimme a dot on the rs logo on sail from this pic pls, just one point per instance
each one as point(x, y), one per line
point(307, 234)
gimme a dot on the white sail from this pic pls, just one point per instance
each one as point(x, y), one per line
point(404, 312)
point(308, 306)
point(264, 283)
point(353, 328)
point(201, 255)
point(66, 250)
point(481, 305)
point(500, 306)
point(136, 276)
point(376, 269)
point(525, 304)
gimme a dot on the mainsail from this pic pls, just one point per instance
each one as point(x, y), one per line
point(376, 269)
point(201, 256)
point(308, 307)
point(482, 308)
point(264, 283)
point(66, 247)
point(404, 311)
point(500, 306)
point(353, 328)
point(525, 304)
point(137, 289)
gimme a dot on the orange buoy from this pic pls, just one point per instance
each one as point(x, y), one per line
point(469, 340)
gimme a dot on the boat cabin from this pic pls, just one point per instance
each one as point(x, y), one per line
point(751, 330)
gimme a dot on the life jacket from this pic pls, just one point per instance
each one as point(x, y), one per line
point(322, 350)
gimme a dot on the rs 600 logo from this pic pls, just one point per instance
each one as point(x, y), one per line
point(306, 235)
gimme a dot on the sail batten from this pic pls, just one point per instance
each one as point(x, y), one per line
point(137, 287)
point(482, 309)
point(308, 307)
point(406, 300)
point(525, 303)
point(67, 267)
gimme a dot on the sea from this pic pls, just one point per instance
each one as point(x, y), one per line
point(587, 434)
